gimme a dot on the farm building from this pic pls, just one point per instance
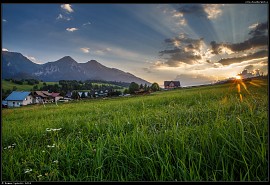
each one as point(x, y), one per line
point(19, 98)
point(44, 96)
point(56, 96)
point(171, 84)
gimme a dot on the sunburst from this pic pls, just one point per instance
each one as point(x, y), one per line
point(240, 82)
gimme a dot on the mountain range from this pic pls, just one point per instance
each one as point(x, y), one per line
point(15, 65)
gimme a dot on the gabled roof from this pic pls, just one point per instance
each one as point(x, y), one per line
point(54, 94)
point(43, 94)
point(46, 93)
point(40, 93)
point(18, 95)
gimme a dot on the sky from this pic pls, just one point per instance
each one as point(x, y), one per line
point(193, 43)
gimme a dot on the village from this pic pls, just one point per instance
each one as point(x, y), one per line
point(22, 98)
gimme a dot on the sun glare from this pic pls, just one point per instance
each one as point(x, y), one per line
point(238, 77)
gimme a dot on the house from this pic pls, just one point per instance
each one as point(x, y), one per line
point(56, 96)
point(42, 96)
point(85, 94)
point(171, 84)
point(69, 94)
point(19, 98)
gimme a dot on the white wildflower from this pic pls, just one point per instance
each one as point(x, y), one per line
point(9, 146)
point(28, 170)
point(56, 161)
point(39, 176)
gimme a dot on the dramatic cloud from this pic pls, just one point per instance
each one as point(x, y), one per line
point(85, 50)
point(60, 16)
point(71, 29)
point(259, 29)
point(67, 7)
point(182, 50)
point(197, 17)
point(4, 49)
point(216, 48)
point(213, 10)
point(259, 54)
point(253, 26)
point(179, 17)
point(259, 37)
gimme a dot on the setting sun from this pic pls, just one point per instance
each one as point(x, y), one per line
point(238, 77)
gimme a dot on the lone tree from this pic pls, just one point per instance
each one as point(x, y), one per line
point(133, 87)
point(155, 87)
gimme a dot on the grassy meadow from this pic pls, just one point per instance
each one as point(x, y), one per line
point(212, 133)
point(24, 87)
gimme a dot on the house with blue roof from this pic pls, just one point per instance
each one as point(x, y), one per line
point(19, 98)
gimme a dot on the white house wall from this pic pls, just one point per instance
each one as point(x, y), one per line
point(58, 97)
point(16, 103)
point(29, 100)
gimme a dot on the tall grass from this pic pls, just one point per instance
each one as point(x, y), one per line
point(198, 134)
